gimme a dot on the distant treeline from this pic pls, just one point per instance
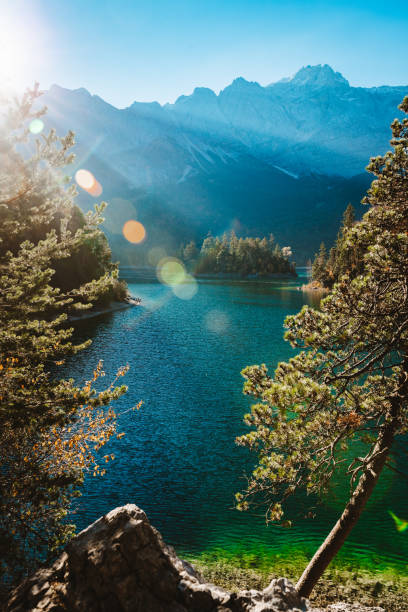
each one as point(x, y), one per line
point(232, 255)
point(345, 256)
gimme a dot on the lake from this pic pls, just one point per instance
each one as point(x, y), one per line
point(178, 460)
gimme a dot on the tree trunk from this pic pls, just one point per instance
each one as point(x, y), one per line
point(355, 506)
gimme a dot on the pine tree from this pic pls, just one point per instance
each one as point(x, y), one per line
point(349, 217)
point(190, 252)
point(319, 265)
point(345, 254)
point(50, 429)
point(208, 244)
point(348, 385)
point(343, 257)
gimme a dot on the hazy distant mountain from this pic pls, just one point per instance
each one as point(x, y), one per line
point(285, 158)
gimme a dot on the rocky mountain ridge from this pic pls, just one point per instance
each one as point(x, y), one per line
point(285, 158)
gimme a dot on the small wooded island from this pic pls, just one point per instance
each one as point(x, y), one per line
point(230, 255)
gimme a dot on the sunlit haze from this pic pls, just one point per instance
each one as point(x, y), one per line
point(138, 50)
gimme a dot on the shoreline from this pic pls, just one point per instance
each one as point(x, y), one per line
point(112, 307)
point(342, 581)
point(236, 276)
point(148, 274)
point(315, 287)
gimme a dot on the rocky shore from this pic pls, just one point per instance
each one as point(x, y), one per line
point(384, 590)
point(100, 310)
point(316, 287)
point(120, 563)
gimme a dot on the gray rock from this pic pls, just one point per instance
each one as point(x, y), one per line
point(120, 563)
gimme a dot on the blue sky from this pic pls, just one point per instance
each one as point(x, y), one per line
point(138, 50)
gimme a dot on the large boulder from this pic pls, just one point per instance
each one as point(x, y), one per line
point(120, 563)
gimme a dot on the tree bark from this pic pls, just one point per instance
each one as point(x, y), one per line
point(355, 506)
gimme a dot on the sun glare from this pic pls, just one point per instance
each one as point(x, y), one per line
point(14, 54)
point(25, 53)
point(11, 55)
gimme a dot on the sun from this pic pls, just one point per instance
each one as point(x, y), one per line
point(12, 53)
point(20, 52)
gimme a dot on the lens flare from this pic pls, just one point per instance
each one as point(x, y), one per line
point(85, 179)
point(155, 255)
point(95, 190)
point(120, 211)
point(170, 271)
point(36, 126)
point(134, 231)
point(187, 289)
point(88, 183)
point(216, 321)
point(400, 524)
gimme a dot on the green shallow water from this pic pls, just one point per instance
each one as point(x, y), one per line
point(178, 460)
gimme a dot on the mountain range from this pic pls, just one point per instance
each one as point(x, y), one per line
point(284, 158)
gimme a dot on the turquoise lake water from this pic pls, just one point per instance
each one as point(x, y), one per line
point(178, 460)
